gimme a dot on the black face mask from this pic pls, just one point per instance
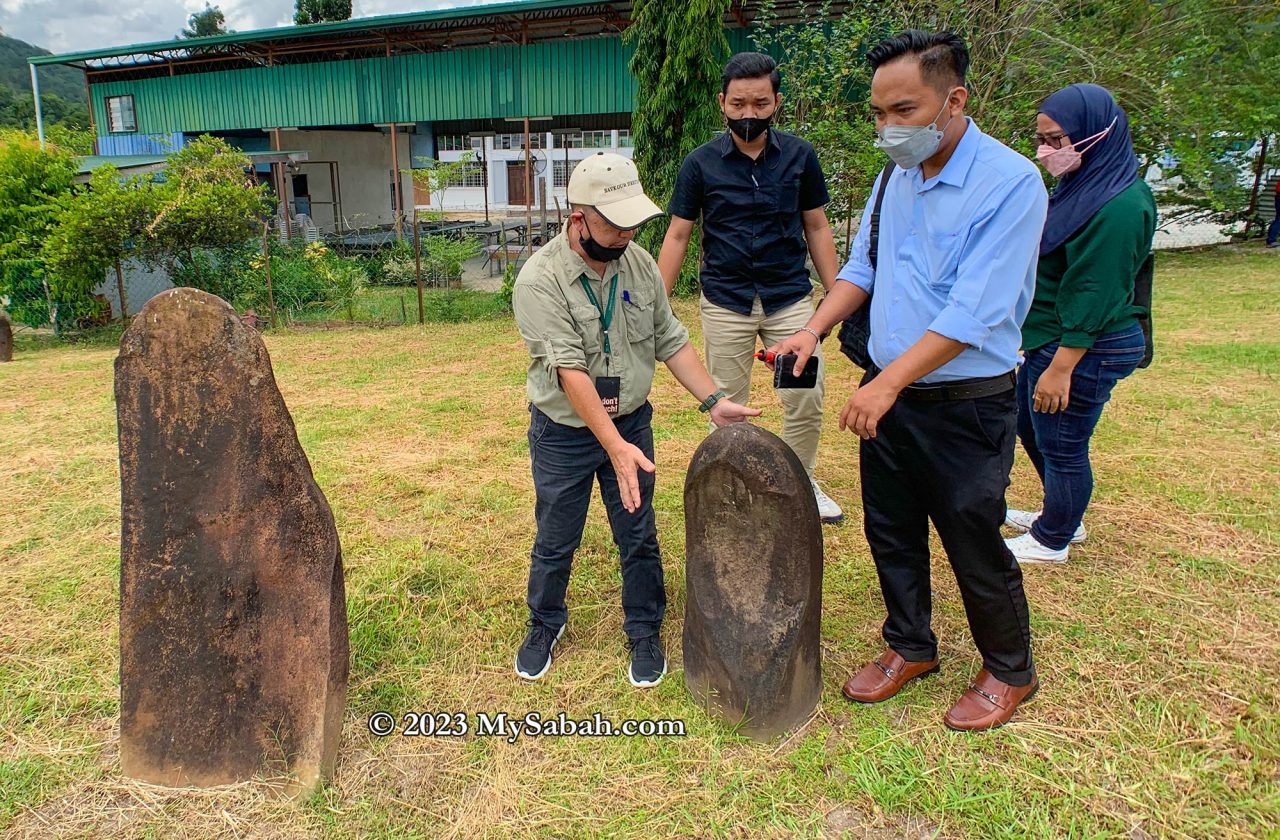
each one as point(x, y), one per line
point(595, 250)
point(749, 128)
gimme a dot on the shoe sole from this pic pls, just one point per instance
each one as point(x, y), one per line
point(642, 683)
point(929, 673)
point(550, 658)
point(1039, 561)
point(1030, 696)
point(1009, 523)
point(832, 520)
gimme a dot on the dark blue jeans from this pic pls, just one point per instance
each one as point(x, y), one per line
point(1273, 230)
point(1058, 444)
point(567, 462)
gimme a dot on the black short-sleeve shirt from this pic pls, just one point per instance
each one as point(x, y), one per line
point(753, 230)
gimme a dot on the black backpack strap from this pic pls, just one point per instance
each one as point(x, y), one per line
point(856, 330)
point(873, 252)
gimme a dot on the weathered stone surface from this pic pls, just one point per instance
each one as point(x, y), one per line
point(6, 339)
point(753, 571)
point(233, 628)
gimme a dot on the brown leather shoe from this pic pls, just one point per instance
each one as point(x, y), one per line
point(988, 703)
point(885, 676)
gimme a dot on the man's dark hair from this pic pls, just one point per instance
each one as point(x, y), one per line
point(750, 65)
point(943, 56)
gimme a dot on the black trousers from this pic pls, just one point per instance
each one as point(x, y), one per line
point(949, 462)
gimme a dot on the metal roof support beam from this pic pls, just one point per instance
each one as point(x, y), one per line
point(35, 93)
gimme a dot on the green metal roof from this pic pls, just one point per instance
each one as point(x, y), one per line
point(88, 163)
point(483, 10)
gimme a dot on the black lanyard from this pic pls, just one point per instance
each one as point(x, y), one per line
point(606, 315)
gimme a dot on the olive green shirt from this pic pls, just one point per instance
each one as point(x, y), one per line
point(564, 329)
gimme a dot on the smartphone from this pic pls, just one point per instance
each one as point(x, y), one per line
point(784, 376)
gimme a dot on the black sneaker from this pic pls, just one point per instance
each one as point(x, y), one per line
point(534, 657)
point(648, 662)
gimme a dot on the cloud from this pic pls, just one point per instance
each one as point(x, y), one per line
point(74, 25)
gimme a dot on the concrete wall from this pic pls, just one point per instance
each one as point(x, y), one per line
point(364, 171)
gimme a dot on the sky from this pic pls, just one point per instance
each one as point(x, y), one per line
point(70, 25)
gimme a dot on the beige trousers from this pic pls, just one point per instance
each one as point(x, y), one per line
point(729, 342)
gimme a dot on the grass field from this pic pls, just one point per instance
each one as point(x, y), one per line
point(1159, 712)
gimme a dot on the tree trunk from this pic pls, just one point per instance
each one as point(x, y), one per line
point(124, 303)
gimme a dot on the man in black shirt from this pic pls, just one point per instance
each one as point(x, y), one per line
point(761, 195)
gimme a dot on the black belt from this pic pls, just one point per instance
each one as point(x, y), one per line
point(960, 389)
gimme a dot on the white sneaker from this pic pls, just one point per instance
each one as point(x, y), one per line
point(1027, 549)
point(828, 511)
point(1022, 520)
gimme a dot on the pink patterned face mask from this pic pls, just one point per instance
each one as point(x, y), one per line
point(1058, 162)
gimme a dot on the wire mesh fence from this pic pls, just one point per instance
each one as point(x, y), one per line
point(273, 284)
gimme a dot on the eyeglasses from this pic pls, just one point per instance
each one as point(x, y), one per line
point(1054, 140)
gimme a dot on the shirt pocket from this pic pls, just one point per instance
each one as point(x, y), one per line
point(789, 196)
point(933, 258)
point(586, 319)
point(638, 309)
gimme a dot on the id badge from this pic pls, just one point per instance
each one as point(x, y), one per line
point(610, 390)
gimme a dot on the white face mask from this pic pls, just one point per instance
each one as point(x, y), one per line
point(911, 145)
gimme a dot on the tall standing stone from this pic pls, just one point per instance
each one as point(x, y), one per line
point(753, 573)
point(6, 339)
point(233, 627)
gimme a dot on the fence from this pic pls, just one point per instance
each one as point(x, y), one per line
point(307, 286)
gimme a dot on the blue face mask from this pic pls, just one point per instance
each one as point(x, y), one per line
point(911, 145)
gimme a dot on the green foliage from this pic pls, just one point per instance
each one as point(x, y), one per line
point(437, 176)
point(96, 229)
point(507, 293)
point(1194, 80)
point(680, 50)
point(203, 24)
point(208, 200)
point(31, 184)
point(319, 11)
point(309, 277)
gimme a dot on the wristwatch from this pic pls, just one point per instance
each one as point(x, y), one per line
point(706, 404)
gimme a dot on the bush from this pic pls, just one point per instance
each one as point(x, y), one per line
point(306, 277)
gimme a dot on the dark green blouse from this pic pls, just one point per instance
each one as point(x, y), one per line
point(1084, 287)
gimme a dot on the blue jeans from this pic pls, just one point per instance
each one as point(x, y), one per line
point(1273, 230)
point(1058, 444)
point(567, 462)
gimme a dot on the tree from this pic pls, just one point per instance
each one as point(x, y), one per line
point(192, 221)
point(205, 23)
point(97, 230)
point(680, 50)
point(207, 203)
point(318, 11)
point(32, 183)
point(1192, 77)
point(437, 176)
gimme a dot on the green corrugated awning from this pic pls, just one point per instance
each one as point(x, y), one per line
point(377, 22)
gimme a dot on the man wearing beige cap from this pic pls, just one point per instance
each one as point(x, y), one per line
point(592, 310)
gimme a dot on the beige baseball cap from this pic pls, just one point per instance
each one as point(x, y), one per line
point(611, 183)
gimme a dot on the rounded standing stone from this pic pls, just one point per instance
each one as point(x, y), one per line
point(233, 628)
point(753, 573)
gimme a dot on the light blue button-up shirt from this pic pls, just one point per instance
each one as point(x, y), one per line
point(958, 256)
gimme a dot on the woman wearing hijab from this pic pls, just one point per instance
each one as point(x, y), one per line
point(1081, 336)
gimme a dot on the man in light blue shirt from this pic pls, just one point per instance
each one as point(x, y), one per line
point(954, 275)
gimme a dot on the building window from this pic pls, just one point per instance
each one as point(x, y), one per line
point(120, 115)
point(624, 139)
point(516, 141)
point(561, 172)
point(587, 140)
point(470, 175)
point(453, 143)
